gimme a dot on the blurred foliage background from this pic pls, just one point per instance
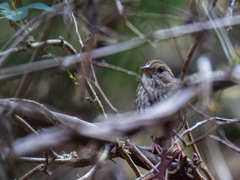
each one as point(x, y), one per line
point(54, 88)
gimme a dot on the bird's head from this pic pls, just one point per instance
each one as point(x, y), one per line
point(158, 71)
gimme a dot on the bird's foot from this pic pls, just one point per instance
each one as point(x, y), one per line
point(181, 154)
point(156, 147)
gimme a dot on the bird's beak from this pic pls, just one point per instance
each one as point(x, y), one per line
point(147, 70)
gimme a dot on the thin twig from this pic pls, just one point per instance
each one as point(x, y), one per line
point(101, 52)
point(69, 161)
point(229, 14)
point(227, 143)
point(178, 50)
point(188, 58)
point(224, 140)
point(46, 161)
point(76, 27)
point(143, 158)
point(199, 112)
point(26, 79)
point(98, 164)
point(110, 66)
point(191, 51)
point(208, 117)
point(150, 172)
point(155, 15)
point(130, 25)
point(216, 122)
point(25, 125)
point(100, 89)
point(195, 150)
point(222, 135)
point(131, 163)
point(32, 172)
point(222, 35)
point(29, 129)
point(162, 35)
point(51, 42)
point(95, 98)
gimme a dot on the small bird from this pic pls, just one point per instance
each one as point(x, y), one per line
point(157, 84)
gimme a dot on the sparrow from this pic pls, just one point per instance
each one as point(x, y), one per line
point(157, 84)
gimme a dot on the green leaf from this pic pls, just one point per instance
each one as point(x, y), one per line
point(4, 6)
point(12, 15)
point(40, 6)
point(22, 12)
point(70, 74)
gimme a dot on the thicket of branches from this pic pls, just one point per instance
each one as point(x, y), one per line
point(68, 77)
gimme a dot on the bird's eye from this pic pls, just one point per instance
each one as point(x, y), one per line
point(160, 69)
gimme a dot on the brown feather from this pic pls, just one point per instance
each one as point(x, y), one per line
point(157, 84)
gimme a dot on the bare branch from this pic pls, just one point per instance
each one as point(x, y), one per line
point(100, 89)
point(25, 125)
point(70, 161)
point(143, 158)
point(131, 163)
point(98, 164)
point(229, 14)
point(110, 66)
point(53, 42)
point(76, 27)
point(195, 150)
point(227, 143)
point(32, 172)
point(29, 129)
point(187, 60)
point(105, 51)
